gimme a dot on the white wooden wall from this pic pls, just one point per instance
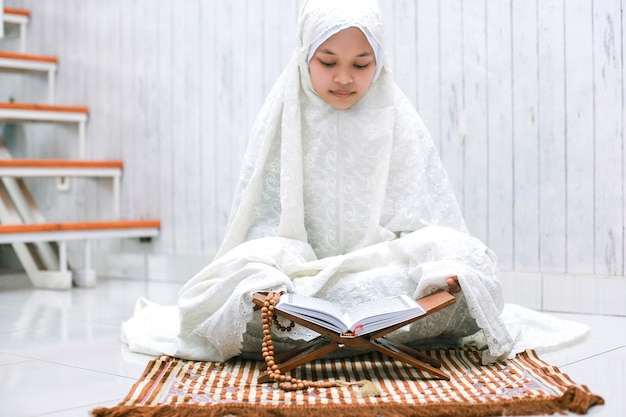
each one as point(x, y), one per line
point(524, 99)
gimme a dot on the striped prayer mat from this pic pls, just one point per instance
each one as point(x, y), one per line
point(525, 385)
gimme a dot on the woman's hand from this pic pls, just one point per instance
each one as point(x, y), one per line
point(453, 284)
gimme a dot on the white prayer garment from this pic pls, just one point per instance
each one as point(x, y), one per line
point(346, 205)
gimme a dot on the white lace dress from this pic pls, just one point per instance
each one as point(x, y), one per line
point(347, 205)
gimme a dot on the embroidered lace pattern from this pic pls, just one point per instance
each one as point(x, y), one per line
point(347, 205)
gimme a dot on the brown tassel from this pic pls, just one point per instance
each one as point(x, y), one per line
point(579, 401)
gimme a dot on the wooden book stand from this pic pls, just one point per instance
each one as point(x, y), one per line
point(329, 341)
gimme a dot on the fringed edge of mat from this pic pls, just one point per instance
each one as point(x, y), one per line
point(574, 399)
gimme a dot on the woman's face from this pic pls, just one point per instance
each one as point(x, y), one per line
point(342, 68)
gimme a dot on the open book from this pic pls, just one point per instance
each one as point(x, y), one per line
point(361, 319)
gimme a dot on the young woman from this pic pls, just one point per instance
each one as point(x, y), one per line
point(342, 196)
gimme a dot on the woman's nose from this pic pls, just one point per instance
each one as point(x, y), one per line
point(343, 76)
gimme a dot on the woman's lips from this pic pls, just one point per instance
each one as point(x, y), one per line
point(342, 93)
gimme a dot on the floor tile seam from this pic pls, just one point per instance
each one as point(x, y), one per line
point(91, 406)
point(19, 355)
point(63, 364)
point(602, 344)
point(595, 355)
point(83, 368)
point(22, 360)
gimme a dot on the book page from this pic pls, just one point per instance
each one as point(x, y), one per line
point(316, 310)
point(381, 306)
point(385, 312)
point(365, 318)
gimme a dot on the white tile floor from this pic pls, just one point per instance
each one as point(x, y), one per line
point(60, 353)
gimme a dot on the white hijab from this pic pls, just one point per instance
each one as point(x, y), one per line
point(340, 180)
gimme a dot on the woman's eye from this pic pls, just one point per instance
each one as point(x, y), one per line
point(327, 64)
point(361, 66)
